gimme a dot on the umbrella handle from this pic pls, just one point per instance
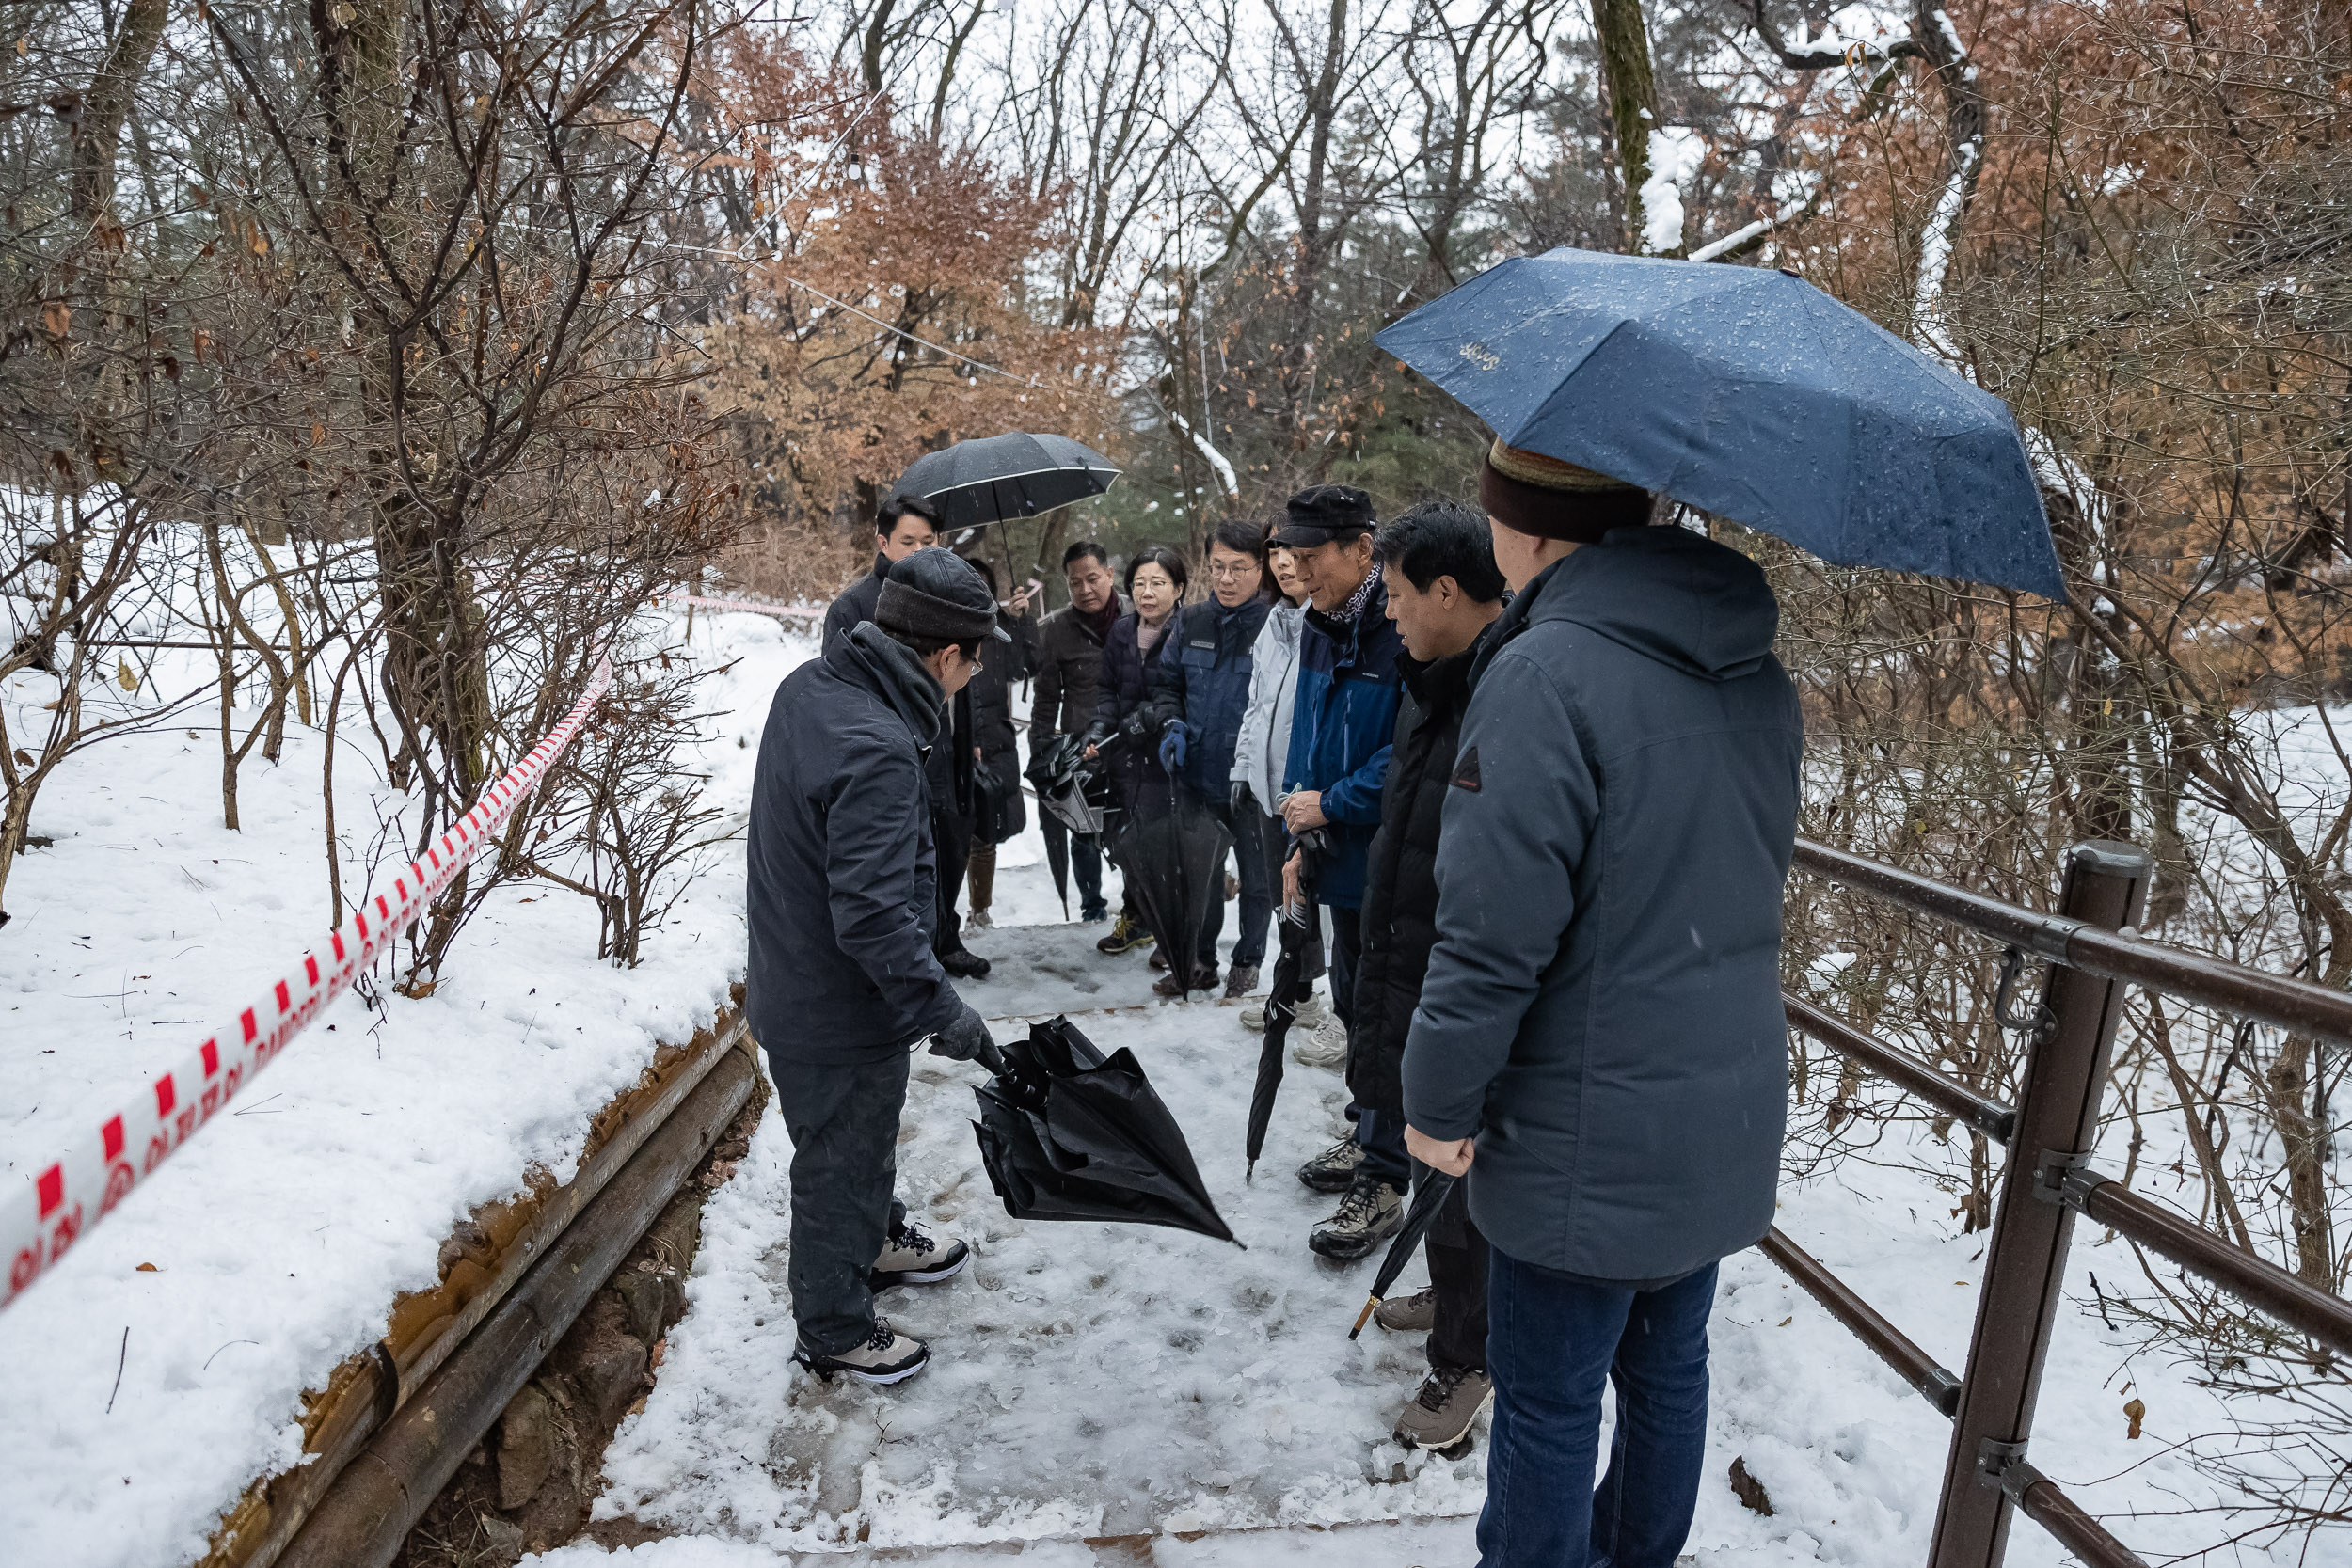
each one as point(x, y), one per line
point(991, 1057)
point(1364, 1316)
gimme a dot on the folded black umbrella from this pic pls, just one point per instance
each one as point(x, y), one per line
point(1012, 475)
point(1426, 1203)
point(1171, 847)
point(1297, 960)
point(1068, 1133)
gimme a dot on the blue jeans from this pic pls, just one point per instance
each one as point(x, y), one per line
point(1551, 1343)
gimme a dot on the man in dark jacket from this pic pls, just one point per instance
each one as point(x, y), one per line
point(843, 981)
point(1069, 680)
point(997, 743)
point(1349, 685)
point(904, 525)
point(1444, 590)
point(1200, 691)
point(1599, 1044)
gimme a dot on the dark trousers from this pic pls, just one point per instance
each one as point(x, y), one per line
point(1458, 1262)
point(844, 1122)
point(951, 848)
point(1347, 945)
point(1086, 861)
point(1553, 1342)
point(1381, 1135)
point(1250, 869)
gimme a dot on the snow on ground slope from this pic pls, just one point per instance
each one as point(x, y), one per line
point(139, 1404)
point(1096, 1381)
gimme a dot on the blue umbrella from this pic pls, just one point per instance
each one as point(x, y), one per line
point(1748, 393)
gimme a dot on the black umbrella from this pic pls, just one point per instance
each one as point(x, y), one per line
point(1069, 1135)
point(1426, 1203)
point(1299, 960)
point(1170, 851)
point(1013, 475)
point(1068, 790)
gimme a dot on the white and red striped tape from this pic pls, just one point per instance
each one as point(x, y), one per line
point(73, 1193)
point(784, 611)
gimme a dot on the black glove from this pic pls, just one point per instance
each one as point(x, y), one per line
point(964, 1039)
point(1095, 734)
point(1238, 802)
point(1137, 725)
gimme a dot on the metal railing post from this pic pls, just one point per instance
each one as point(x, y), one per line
point(2058, 1113)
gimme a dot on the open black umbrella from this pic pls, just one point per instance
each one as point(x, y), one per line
point(1012, 475)
point(1068, 1133)
point(1170, 848)
point(1299, 960)
point(1426, 1203)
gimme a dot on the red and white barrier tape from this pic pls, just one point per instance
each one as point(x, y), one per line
point(73, 1193)
point(784, 611)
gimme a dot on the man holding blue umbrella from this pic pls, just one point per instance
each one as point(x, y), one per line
point(1599, 1044)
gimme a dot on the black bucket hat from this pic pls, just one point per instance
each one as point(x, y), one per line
point(934, 595)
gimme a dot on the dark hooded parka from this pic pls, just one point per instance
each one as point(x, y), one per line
point(1602, 1009)
point(842, 891)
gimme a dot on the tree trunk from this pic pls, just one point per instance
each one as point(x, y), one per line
point(1625, 71)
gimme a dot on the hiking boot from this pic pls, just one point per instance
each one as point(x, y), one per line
point(1126, 936)
point(1442, 1411)
point(1204, 979)
point(1240, 980)
point(1325, 1047)
point(1311, 1012)
point(1092, 914)
point(910, 1256)
point(1371, 1209)
point(964, 964)
point(1334, 1170)
point(979, 921)
point(1413, 1314)
point(885, 1357)
point(1159, 958)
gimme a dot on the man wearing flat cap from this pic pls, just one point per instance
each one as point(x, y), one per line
point(843, 979)
point(1599, 1045)
point(1343, 722)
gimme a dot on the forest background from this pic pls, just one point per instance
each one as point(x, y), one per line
point(420, 344)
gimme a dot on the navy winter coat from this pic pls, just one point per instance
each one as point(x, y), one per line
point(1602, 1009)
point(842, 895)
point(1348, 686)
point(1204, 680)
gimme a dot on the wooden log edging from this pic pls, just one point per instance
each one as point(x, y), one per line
point(480, 1266)
point(363, 1519)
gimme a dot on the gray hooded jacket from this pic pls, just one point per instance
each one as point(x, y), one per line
point(1602, 1009)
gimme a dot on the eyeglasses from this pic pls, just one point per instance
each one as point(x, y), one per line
point(1226, 572)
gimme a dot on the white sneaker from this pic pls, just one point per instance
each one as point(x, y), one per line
point(1325, 1047)
point(1311, 1012)
point(888, 1356)
point(912, 1256)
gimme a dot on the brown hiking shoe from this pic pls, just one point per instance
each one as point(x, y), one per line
point(1442, 1411)
point(1413, 1314)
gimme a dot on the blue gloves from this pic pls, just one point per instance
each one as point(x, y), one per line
point(1172, 745)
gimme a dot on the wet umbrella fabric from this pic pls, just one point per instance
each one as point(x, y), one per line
point(1417, 1219)
point(1299, 960)
point(998, 477)
point(1749, 393)
point(1170, 848)
point(1068, 1133)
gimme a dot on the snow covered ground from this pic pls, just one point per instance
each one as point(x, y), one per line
point(140, 1403)
point(1096, 1381)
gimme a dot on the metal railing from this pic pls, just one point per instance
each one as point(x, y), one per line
point(2094, 952)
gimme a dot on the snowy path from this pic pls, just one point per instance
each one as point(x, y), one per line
point(1113, 1395)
